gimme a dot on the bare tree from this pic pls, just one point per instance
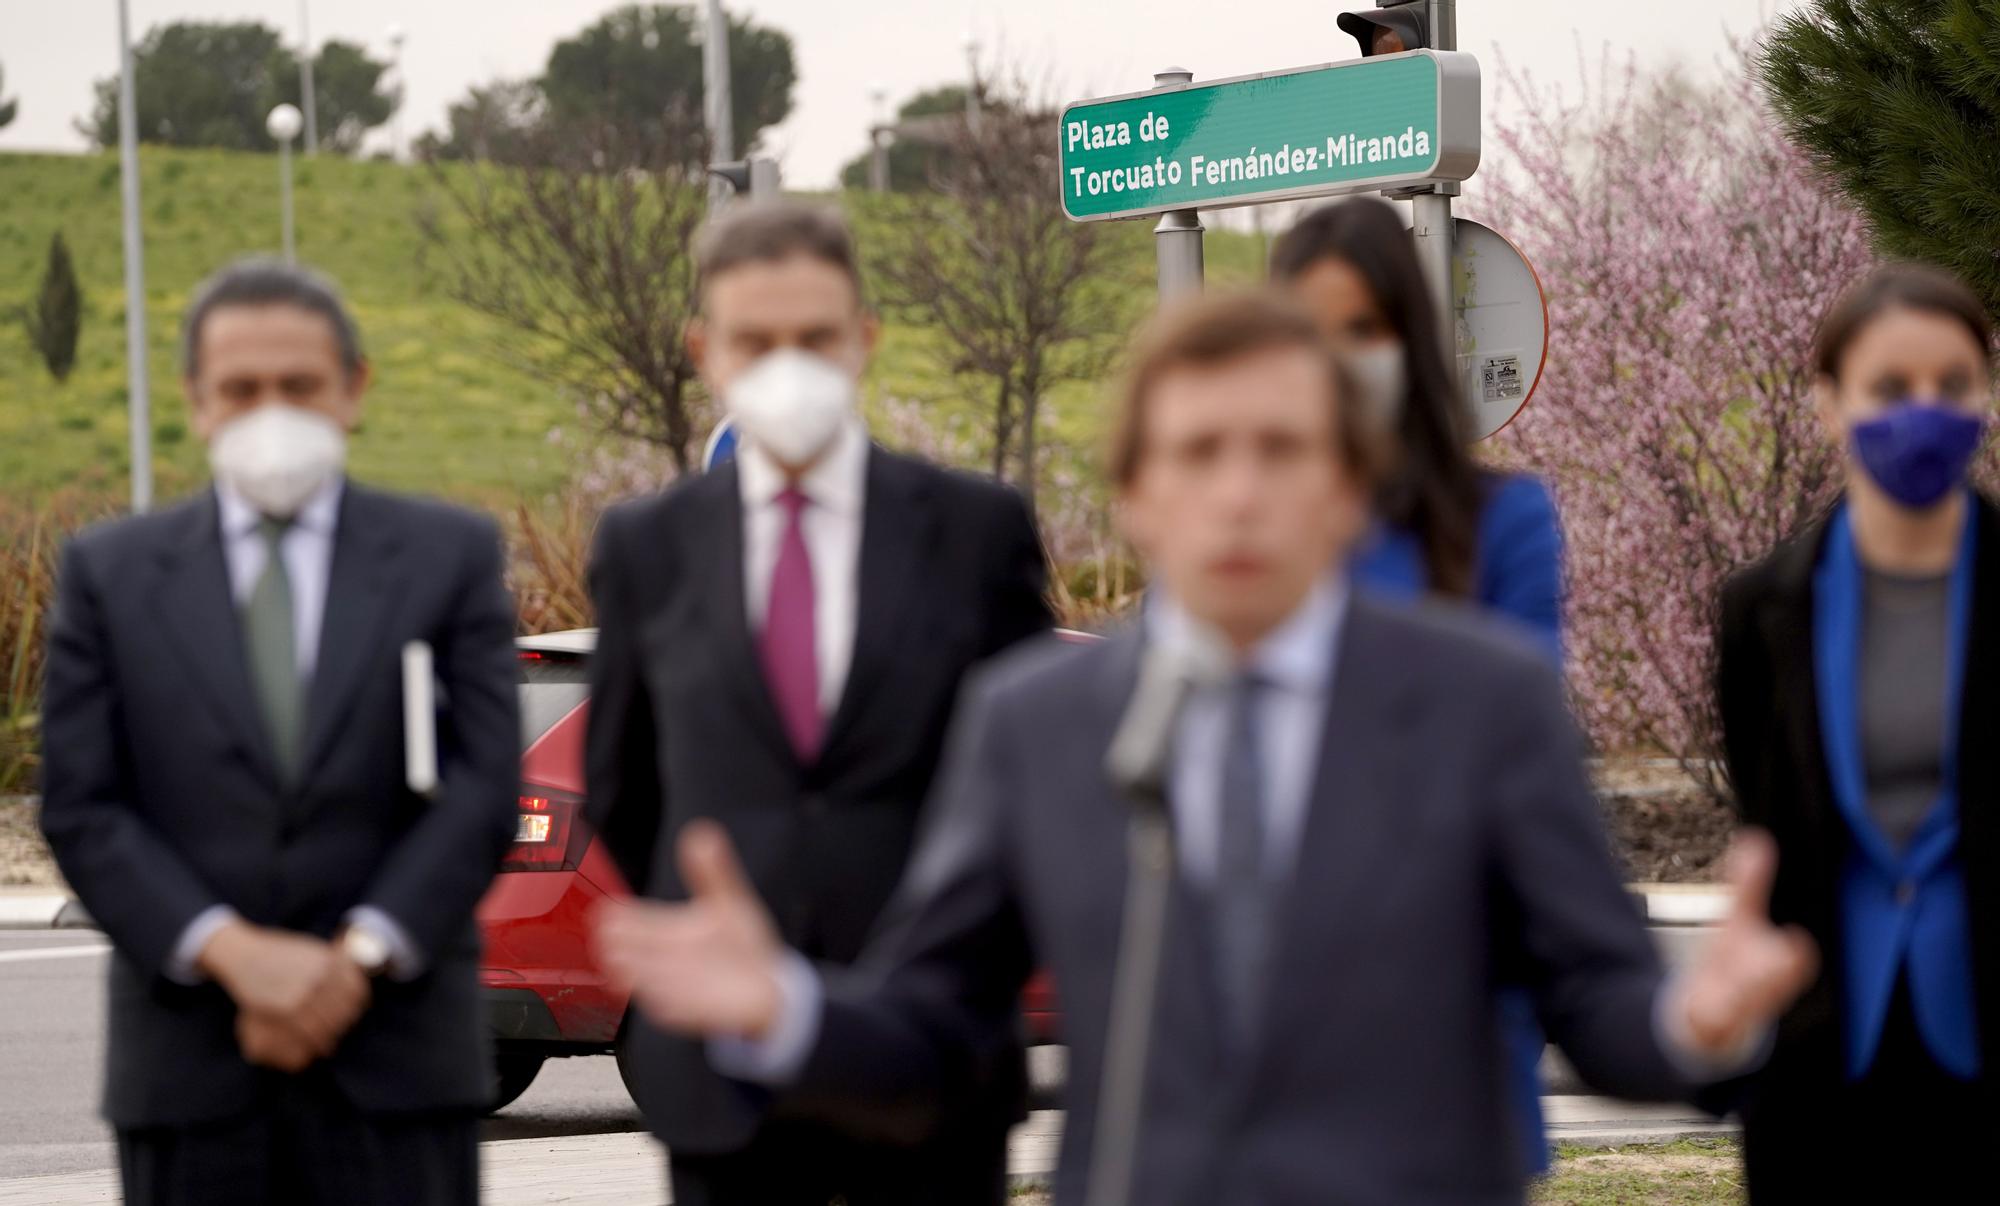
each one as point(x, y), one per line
point(1023, 298)
point(587, 259)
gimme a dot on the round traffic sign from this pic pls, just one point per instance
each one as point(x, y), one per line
point(721, 446)
point(1503, 325)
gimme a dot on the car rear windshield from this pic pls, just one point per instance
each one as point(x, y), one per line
point(552, 685)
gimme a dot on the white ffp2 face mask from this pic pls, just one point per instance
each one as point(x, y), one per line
point(1381, 372)
point(277, 455)
point(792, 405)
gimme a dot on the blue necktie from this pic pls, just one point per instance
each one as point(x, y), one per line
point(1242, 887)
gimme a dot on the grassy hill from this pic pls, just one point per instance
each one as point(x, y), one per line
point(451, 413)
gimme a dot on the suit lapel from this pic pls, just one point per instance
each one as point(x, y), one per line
point(897, 527)
point(1979, 776)
point(720, 534)
point(201, 621)
point(1786, 616)
point(358, 600)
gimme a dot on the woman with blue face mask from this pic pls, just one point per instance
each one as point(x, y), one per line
point(1443, 524)
point(1859, 687)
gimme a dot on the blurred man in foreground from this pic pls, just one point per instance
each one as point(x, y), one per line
point(294, 1001)
point(781, 643)
point(1371, 805)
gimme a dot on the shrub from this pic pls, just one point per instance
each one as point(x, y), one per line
point(56, 319)
point(30, 540)
point(1675, 417)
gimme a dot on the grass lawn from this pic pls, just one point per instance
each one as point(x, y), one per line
point(452, 413)
point(1693, 1172)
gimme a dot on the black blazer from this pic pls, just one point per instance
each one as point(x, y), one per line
point(1451, 825)
point(683, 726)
point(1766, 690)
point(161, 798)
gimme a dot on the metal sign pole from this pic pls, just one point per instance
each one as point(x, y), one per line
point(137, 404)
point(1430, 212)
point(1177, 238)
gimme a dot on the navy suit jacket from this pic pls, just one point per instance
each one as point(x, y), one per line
point(161, 796)
point(682, 724)
point(1451, 824)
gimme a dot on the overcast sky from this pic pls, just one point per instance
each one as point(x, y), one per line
point(51, 52)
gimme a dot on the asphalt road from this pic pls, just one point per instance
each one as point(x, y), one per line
point(51, 1050)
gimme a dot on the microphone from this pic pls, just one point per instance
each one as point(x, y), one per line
point(1139, 759)
point(1140, 763)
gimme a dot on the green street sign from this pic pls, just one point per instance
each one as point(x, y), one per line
point(1360, 126)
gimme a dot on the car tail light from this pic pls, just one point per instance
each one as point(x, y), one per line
point(549, 832)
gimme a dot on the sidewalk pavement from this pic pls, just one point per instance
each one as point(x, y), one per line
point(629, 1169)
point(1666, 904)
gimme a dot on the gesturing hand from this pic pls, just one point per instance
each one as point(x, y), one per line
point(1750, 971)
point(708, 967)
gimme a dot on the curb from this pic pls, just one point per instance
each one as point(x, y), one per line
point(1672, 906)
point(31, 912)
point(47, 911)
point(1682, 904)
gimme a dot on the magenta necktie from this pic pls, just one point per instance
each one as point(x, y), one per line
point(788, 648)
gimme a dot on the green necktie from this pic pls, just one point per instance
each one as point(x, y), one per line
point(274, 661)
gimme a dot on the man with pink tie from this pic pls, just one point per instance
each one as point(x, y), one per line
point(781, 645)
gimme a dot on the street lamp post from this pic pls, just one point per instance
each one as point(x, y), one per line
point(284, 125)
point(396, 35)
point(716, 98)
point(306, 82)
point(138, 403)
point(878, 139)
point(972, 81)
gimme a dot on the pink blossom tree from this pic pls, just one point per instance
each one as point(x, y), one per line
point(1688, 252)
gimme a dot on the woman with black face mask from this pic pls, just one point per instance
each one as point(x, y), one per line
point(1859, 684)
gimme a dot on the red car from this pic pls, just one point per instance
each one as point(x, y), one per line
point(545, 997)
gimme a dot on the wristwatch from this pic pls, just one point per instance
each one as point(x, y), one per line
point(368, 949)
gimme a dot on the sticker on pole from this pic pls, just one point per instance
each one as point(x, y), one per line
point(1503, 325)
point(1360, 126)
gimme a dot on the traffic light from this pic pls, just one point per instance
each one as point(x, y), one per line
point(1391, 29)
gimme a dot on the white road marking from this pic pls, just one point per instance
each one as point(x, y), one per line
point(56, 952)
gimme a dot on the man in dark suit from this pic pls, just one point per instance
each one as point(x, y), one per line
point(1380, 817)
point(781, 642)
point(294, 998)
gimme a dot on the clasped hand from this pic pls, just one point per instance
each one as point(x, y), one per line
point(296, 995)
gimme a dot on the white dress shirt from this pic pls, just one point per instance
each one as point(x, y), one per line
point(1294, 667)
point(835, 489)
point(307, 547)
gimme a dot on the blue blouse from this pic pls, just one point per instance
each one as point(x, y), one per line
point(1518, 572)
point(1518, 576)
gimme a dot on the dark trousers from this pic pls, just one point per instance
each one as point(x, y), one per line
point(304, 1144)
point(1906, 1132)
point(788, 1164)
